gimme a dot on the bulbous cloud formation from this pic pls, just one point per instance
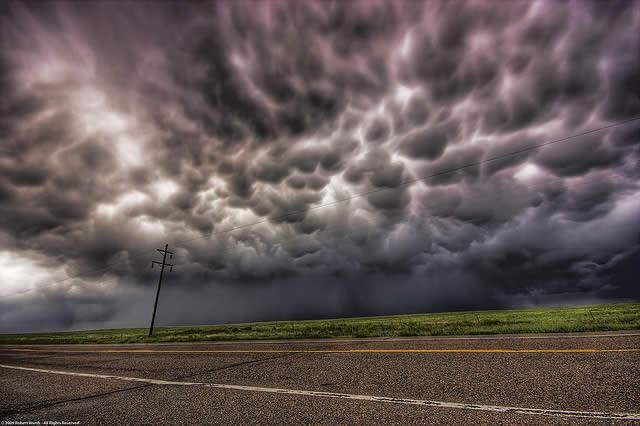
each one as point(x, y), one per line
point(125, 125)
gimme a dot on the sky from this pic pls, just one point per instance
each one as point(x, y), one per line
point(369, 142)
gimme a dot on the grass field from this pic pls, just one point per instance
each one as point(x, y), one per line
point(549, 320)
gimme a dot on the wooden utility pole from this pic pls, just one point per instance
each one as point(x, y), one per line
point(162, 265)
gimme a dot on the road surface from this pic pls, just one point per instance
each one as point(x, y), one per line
point(515, 379)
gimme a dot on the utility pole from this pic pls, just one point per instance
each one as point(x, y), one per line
point(162, 265)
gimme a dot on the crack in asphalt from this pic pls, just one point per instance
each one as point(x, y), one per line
point(10, 412)
point(257, 361)
point(457, 405)
point(4, 414)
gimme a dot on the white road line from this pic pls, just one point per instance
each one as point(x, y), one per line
point(405, 401)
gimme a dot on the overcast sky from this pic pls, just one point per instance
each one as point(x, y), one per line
point(128, 125)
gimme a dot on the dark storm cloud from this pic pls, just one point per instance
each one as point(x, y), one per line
point(417, 111)
point(455, 165)
point(125, 126)
point(378, 131)
point(428, 143)
point(579, 158)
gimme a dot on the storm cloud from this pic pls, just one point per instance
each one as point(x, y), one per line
point(370, 142)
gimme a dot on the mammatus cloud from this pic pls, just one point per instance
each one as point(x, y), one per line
point(125, 126)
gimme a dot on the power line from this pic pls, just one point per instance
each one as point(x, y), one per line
point(630, 172)
point(411, 181)
point(416, 215)
point(360, 195)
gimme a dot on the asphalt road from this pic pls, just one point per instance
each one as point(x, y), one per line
point(527, 379)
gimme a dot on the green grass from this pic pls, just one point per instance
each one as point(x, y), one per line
point(549, 320)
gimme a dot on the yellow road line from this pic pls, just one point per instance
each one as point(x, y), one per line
point(329, 351)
